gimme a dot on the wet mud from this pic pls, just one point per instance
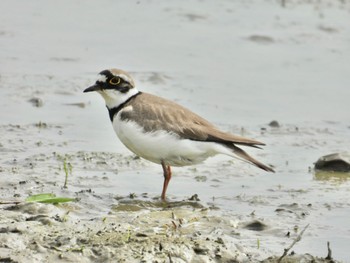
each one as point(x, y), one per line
point(279, 76)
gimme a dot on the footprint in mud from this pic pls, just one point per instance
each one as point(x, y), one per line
point(131, 204)
point(157, 78)
point(194, 17)
point(261, 39)
point(300, 211)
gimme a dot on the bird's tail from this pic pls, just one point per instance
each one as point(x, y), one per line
point(242, 154)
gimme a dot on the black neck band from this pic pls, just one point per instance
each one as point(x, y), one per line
point(115, 110)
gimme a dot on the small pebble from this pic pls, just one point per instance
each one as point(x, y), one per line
point(274, 124)
point(37, 102)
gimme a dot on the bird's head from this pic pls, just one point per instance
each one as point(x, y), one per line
point(115, 86)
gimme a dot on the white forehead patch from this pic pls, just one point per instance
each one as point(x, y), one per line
point(102, 78)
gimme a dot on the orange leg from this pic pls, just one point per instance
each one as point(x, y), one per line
point(167, 177)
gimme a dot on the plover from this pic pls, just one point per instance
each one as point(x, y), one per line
point(163, 131)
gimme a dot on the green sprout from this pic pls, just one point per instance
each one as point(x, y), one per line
point(67, 167)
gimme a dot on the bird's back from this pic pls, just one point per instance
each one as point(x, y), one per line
point(156, 113)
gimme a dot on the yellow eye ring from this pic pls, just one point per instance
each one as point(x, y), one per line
point(114, 81)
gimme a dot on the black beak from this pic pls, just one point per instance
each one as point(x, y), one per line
point(94, 87)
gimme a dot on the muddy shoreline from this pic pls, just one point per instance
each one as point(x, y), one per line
point(178, 232)
point(240, 64)
point(103, 225)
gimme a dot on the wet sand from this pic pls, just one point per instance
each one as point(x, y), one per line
point(286, 64)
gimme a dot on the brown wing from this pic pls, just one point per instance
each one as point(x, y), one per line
point(155, 113)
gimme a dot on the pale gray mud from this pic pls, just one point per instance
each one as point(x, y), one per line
point(237, 213)
point(239, 64)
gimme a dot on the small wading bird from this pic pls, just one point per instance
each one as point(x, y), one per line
point(162, 131)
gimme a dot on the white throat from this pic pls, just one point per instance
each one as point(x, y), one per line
point(114, 98)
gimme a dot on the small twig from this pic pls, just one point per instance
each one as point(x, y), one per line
point(67, 167)
point(10, 202)
point(329, 255)
point(297, 239)
point(174, 224)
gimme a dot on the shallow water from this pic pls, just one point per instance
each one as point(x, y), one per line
point(208, 58)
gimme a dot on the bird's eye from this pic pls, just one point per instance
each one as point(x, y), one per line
point(114, 81)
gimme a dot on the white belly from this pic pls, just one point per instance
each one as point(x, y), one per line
point(161, 146)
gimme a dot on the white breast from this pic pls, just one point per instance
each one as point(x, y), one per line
point(160, 145)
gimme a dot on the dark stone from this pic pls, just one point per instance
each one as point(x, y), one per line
point(337, 162)
point(256, 226)
point(200, 250)
point(37, 102)
point(274, 124)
